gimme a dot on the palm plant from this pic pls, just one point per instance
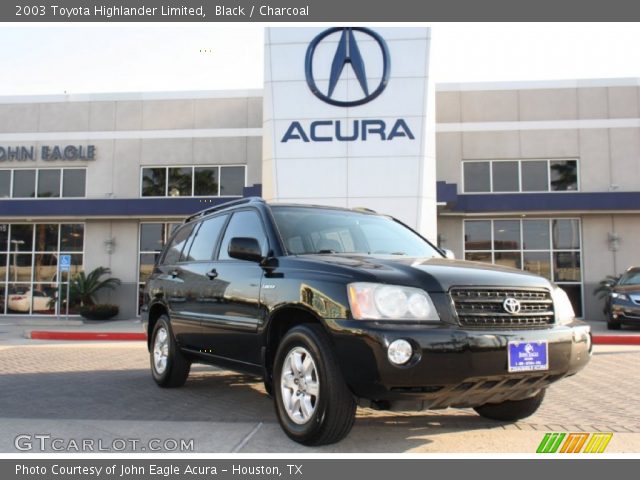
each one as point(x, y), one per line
point(83, 288)
point(605, 286)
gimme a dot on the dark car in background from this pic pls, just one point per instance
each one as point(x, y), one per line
point(623, 303)
point(336, 308)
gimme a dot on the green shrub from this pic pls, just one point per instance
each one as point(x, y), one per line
point(101, 311)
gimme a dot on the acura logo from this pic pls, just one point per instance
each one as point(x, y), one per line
point(348, 52)
point(511, 305)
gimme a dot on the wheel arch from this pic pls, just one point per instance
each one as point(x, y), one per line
point(155, 312)
point(279, 323)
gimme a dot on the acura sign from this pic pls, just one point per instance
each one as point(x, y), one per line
point(347, 54)
point(346, 120)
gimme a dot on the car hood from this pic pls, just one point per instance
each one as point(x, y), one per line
point(627, 288)
point(432, 274)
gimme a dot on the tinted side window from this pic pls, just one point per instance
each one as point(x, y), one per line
point(243, 224)
point(206, 238)
point(177, 244)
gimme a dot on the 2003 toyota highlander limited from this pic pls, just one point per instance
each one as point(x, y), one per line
point(337, 308)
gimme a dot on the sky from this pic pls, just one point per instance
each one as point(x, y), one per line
point(134, 58)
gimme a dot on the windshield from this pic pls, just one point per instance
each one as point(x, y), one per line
point(631, 278)
point(316, 230)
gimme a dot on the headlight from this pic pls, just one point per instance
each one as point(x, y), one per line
point(563, 307)
point(376, 301)
point(619, 296)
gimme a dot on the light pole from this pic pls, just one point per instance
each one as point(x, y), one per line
point(16, 243)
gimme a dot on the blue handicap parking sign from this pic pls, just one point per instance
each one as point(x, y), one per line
point(65, 263)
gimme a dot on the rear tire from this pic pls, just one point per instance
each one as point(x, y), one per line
point(511, 410)
point(313, 403)
point(169, 366)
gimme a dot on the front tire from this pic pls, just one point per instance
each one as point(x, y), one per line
point(169, 367)
point(511, 410)
point(613, 325)
point(313, 403)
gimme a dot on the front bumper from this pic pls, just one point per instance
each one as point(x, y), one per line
point(451, 366)
point(625, 312)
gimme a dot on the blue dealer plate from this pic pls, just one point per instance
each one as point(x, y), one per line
point(528, 356)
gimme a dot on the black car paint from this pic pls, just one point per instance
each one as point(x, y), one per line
point(227, 320)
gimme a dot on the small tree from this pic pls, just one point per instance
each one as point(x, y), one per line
point(605, 286)
point(83, 288)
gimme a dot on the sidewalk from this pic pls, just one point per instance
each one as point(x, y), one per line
point(75, 328)
point(78, 329)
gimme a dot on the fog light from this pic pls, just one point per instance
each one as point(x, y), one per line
point(399, 352)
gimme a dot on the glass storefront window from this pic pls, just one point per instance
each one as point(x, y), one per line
point(29, 256)
point(506, 234)
point(43, 183)
point(205, 182)
point(535, 176)
point(48, 183)
point(506, 177)
point(231, 181)
point(5, 183)
point(549, 247)
point(154, 182)
point(477, 235)
point(564, 175)
point(47, 237)
point(180, 182)
point(74, 182)
point(21, 238)
point(72, 237)
point(520, 176)
point(479, 257)
point(538, 263)
point(151, 237)
point(535, 234)
point(201, 181)
point(24, 183)
point(477, 177)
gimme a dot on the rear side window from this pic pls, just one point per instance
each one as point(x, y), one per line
point(177, 244)
point(245, 223)
point(206, 239)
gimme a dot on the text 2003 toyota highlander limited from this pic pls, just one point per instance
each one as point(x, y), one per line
point(337, 307)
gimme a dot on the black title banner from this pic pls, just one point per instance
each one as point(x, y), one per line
point(315, 10)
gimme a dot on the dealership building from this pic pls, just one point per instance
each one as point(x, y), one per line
point(540, 176)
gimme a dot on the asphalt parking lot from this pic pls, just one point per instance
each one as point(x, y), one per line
point(104, 392)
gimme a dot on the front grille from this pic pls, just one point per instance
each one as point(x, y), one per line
point(483, 306)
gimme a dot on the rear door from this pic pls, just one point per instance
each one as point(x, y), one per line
point(175, 282)
point(198, 271)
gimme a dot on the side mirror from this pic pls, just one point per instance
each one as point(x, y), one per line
point(245, 248)
point(449, 254)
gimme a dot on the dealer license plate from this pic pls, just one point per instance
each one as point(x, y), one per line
point(528, 356)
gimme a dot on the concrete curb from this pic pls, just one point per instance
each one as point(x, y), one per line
point(101, 336)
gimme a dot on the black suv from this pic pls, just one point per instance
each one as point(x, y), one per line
point(337, 308)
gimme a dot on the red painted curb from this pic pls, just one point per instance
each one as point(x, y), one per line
point(616, 339)
point(53, 335)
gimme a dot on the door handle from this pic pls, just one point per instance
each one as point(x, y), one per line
point(174, 273)
point(212, 274)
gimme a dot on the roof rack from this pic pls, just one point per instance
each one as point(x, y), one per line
point(222, 206)
point(363, 209)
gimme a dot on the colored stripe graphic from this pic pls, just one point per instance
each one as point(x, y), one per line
point(550, 443)
point(574, 443)
point(598, 442)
